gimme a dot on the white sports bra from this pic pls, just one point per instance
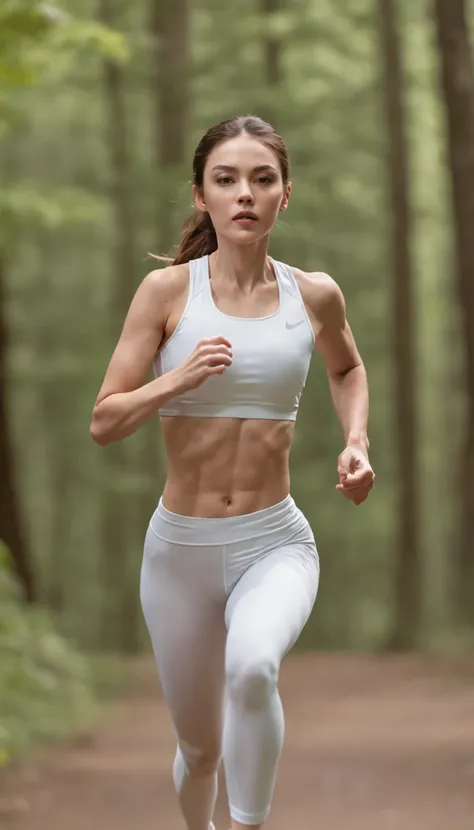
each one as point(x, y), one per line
point(270, 355)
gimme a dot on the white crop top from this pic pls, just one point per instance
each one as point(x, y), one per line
point(270, 355)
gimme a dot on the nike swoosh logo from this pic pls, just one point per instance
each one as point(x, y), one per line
point(293, 325)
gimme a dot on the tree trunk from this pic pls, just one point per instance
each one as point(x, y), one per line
point(169, 24)
point(12, 528)
point(457, 83)
point(170, 29)
point(120, 602)
point(57, 401)
point(272, 61)
point(408, 545)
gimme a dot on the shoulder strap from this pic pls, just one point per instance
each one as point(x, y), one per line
point(198, 275)
point(290, 286)
point(287, 279)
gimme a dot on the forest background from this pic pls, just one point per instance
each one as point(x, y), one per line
point(101, 106)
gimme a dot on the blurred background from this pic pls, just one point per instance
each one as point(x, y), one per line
point(101, 106)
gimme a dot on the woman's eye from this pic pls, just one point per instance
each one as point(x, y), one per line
point(260, 180)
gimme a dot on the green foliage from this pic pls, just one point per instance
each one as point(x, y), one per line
point(27, 206)
point(45, 683)
point(37, 37)
point(58, 218)
point(24, 25)
point(90, 37)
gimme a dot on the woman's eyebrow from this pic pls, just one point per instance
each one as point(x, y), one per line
point(228, 168)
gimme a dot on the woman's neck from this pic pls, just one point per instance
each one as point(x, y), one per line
point(243, 265)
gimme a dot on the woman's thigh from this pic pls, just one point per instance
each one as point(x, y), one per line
point(271, 603)
point(188, 634)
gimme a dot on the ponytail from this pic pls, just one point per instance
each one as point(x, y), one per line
point(198, 238)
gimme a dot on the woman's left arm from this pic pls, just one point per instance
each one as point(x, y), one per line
point(347, 381)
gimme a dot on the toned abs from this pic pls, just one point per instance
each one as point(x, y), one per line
point(219, 467)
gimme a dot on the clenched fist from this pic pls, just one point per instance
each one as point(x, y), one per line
point(211, 356)
point(356, 476)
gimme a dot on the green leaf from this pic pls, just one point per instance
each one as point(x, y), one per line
point(24, 23)
point(92, 37)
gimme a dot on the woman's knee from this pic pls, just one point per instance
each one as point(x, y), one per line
point(200, 762)
point(252, 679)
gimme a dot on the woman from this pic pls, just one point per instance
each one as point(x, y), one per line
point(230, 569)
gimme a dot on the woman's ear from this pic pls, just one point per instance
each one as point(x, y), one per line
point(286, 197)
point(198, 198)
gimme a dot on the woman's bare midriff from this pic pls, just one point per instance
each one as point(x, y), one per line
point(218, 467)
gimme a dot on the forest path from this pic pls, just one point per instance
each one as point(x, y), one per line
point(372, 743)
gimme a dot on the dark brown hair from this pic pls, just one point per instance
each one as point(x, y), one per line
point(198, 236)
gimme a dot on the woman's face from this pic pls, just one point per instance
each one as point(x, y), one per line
point(242, 176)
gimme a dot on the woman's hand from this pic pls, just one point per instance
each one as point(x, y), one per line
point(356, 476)
point(210, 357)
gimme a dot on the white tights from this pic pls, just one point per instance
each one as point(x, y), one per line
point(224, 600)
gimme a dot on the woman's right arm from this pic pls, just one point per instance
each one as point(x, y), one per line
point(124, 403)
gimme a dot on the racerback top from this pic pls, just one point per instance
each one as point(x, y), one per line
point(270, 355)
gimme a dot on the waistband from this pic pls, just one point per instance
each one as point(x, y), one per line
point(197, 530)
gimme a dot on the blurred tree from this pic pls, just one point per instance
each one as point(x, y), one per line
point(272, 46)
point(170, 33)
point(12, 525)
point(169, 30)
point(408, 584)
point(21, 26)
point(457, 84)
point(119, 609)
point(33, 35)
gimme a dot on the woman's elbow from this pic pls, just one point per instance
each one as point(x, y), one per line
point(97, 431)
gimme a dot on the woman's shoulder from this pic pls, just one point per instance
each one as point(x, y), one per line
point(168, 283)
point(322, 297)
point(318, 289)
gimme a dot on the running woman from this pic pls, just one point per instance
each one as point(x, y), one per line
point(230, 569)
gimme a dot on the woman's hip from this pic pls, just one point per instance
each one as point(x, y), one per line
point(200, 561)
point(278, 524)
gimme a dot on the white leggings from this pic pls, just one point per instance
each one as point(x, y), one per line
point(224, 600)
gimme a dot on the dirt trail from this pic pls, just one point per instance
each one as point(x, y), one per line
point(372, 743)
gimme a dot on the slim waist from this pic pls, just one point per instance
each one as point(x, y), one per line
point(174, 527)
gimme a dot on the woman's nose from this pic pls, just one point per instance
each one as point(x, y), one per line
point(245, 194)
